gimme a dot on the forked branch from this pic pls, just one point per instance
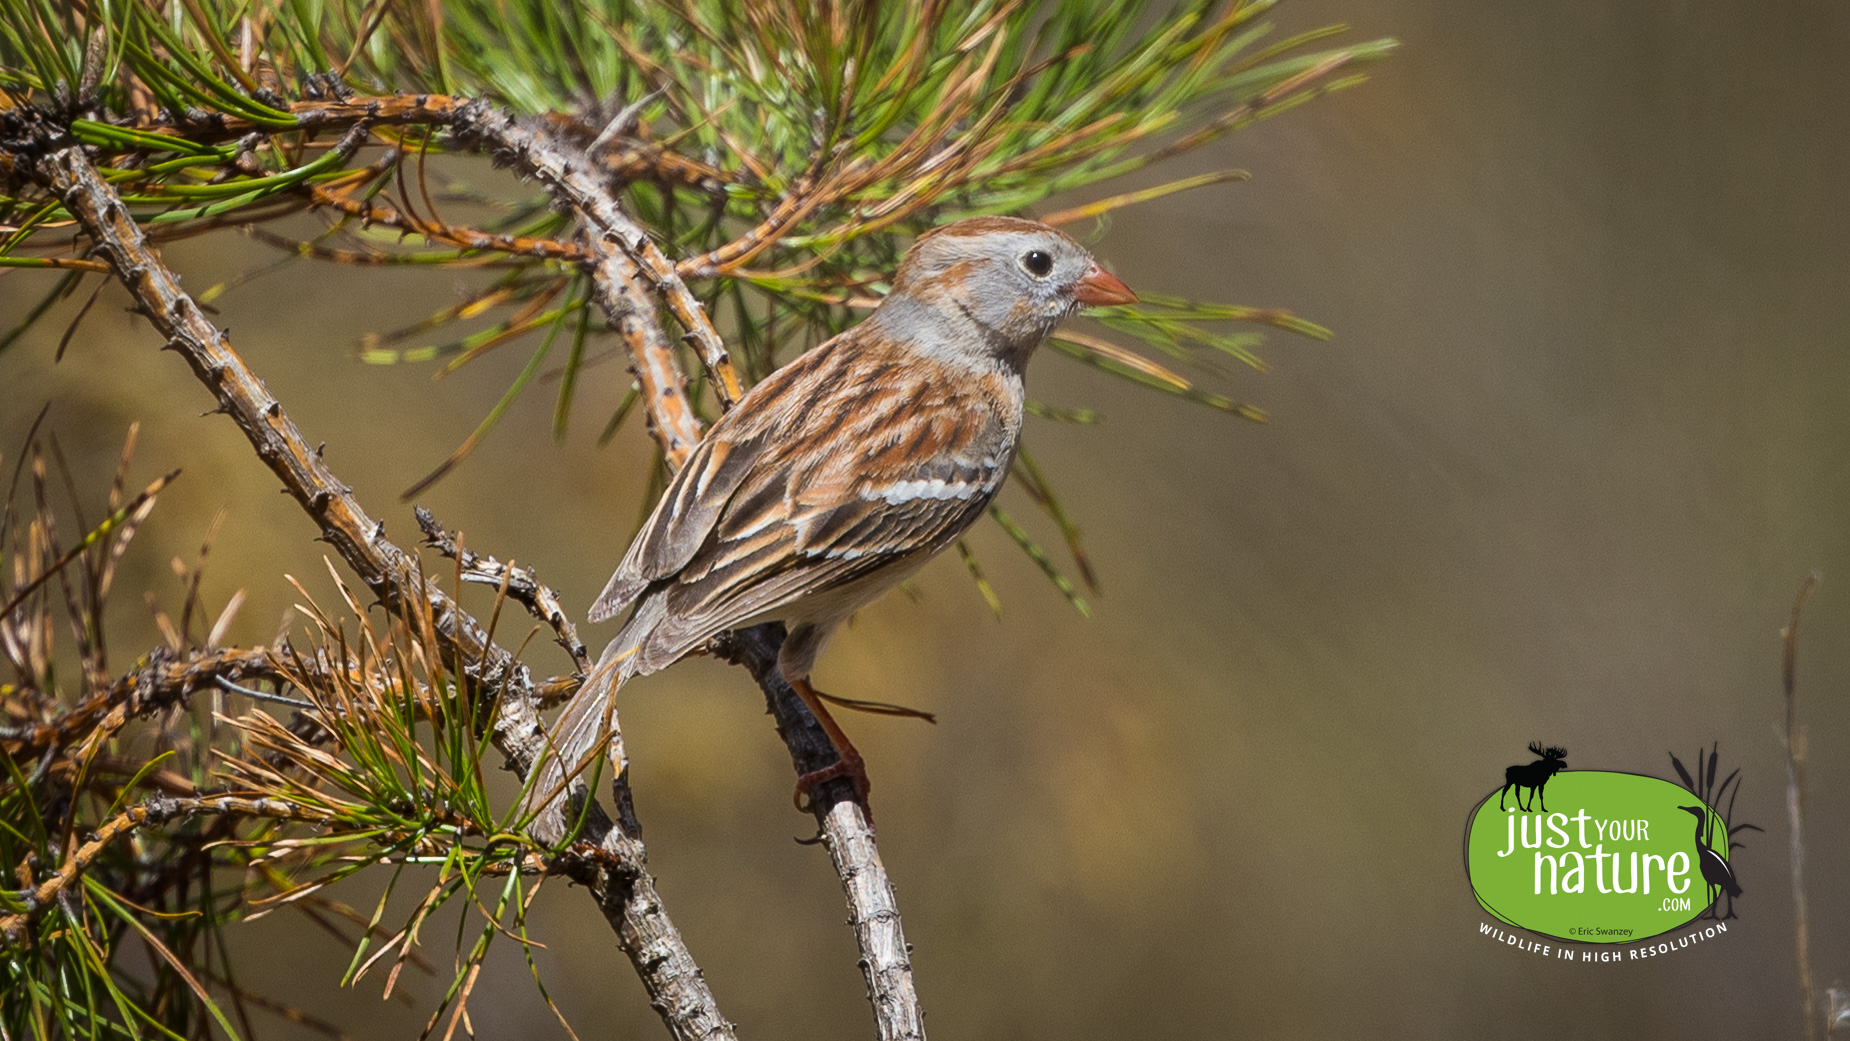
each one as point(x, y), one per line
point(520, 584)
point(163, 681)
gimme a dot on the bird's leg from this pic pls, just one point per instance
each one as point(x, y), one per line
point(848, 762)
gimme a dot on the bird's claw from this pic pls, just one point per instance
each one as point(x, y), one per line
point(851, 767)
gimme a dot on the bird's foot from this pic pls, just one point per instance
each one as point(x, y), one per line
point(850, 766)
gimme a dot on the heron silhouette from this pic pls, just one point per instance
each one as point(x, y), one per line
point(1715, 870)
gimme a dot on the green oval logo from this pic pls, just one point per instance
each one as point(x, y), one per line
point(1612, 858)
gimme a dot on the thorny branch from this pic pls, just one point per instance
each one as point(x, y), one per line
point(521, 584)
point(621, 286)
point(886, 957)
point(628, 899)
point(370, 213)
point(163, 681)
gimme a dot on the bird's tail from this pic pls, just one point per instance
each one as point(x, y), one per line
point(561, 780)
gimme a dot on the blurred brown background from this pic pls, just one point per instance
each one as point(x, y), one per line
point(1581, 435)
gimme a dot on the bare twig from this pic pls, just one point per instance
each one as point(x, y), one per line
point(155, 811)
point(1795, 804)
point(619, 294)
point(628, 899)
point(801, 199)
point(369, 213)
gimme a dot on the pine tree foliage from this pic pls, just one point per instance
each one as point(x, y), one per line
point(705, 189)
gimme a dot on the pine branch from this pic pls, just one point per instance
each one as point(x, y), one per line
point(628, 898)
point(166, 809)
point(888, 125)
point(623, 274)
point(371, 214)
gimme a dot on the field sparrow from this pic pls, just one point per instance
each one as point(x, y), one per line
point(843, 472)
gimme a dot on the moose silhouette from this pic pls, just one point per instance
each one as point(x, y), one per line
point(1534, 776)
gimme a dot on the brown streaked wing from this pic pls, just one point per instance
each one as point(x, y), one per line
point(892, 530)
point(805, 522)
point(770, 570)
point(679, 633)
point(680, 522)
point(697, 496)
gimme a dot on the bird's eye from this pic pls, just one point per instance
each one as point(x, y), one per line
point(1038, 264)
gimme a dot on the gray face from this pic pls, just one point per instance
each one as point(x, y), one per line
point(1022, 284)
point(1012, 280)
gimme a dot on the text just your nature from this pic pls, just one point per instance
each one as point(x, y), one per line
point(1567, 871)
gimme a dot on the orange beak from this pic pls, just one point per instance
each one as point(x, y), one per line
point(1100, 288)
